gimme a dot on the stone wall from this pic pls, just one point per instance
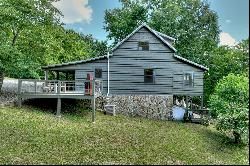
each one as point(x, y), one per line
point(148, 106)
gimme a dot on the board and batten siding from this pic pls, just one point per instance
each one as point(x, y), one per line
point(128, 63)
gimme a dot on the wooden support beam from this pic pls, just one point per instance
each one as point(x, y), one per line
point(59, 104)
point(93, 109)
point(201, 102)
point(58, 111)
point(93, 101)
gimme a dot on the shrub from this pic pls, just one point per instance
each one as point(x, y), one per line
point(230, 105)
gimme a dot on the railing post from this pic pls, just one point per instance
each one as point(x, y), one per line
point(59, 87)
point(58, 110)
point(46, 75)
point(19, 93)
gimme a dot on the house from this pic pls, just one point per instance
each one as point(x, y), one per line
point(144, 63)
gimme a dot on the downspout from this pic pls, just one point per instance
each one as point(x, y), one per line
point(108, 74)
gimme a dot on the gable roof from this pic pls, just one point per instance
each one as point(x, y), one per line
point(166, 36)
point(157, 34)
point(75, 62)
point(190, 62)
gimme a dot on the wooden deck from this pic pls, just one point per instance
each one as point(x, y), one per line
point(80, 89)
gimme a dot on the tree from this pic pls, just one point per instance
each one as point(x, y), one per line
point(224, 60)
point(33, 37)
point(191, 22)
point(230, 105)
point(99, 47)
point(121, 22)
point(19, 18)
point(17, 15)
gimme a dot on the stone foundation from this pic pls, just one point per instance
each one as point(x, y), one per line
point(148, 106)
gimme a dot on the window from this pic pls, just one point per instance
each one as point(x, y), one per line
point(149, 76)
point(188, 79)
point(143, 46)
point(98, 73)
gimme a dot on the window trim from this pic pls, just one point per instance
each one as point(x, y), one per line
point(98, 68)
point(184, 81)
point(140, 42)
point(153, 76)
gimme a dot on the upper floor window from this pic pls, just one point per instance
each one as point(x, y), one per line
point(143, 46)
point(98, 73)
point(188, 79)
point(149, 76)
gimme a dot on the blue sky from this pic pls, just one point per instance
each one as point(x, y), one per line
point(87, 17)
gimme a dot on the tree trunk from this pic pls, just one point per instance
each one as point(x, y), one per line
point(237, 137)
point(14, 39)
point(16, 34)
point(1, 80)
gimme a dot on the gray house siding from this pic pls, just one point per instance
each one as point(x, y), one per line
point(127, 66)
point(128, 63)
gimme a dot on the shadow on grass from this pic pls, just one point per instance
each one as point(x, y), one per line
point(69, 106)
point(220, 142)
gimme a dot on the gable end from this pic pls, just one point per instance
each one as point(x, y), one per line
point(151, 30)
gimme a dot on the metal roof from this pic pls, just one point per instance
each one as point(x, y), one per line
point(75, 62)
point(166, 36)
point(188, 61)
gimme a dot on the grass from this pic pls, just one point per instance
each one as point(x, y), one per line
point(30, 136)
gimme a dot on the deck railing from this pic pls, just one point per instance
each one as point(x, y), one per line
point(85, 87)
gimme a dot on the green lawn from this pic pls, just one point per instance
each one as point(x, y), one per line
point(30, 136)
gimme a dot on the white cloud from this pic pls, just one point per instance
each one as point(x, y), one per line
point(228, 21)
point(74, 11)
point(226, 39)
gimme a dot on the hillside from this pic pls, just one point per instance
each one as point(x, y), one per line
point(30, 136)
